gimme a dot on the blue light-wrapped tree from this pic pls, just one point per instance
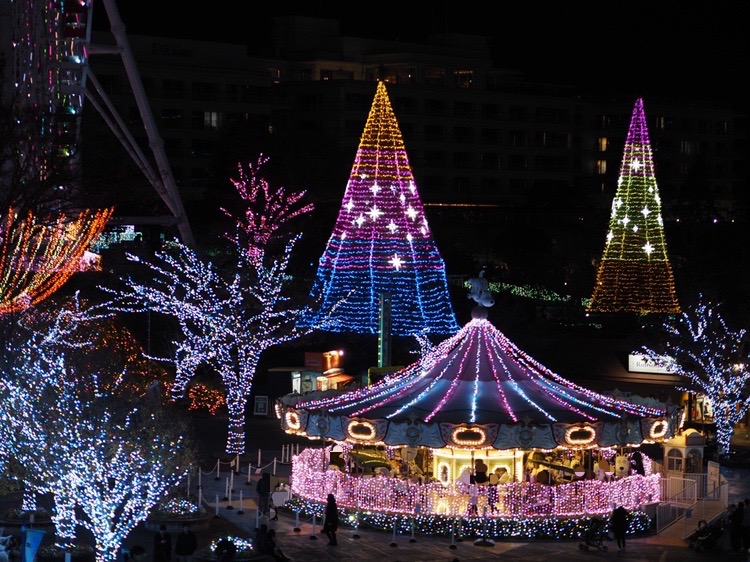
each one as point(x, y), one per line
point(699, 346)
point(381, 244)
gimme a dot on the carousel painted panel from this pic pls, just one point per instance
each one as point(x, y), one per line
point(325, 426)
point(414, 434)
point(621, 434)
point(524, 436)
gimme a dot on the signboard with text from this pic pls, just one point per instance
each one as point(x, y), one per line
point(639, 363)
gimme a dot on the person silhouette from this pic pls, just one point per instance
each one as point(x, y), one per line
point(332, 520)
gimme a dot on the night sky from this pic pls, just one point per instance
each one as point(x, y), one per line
point(684, 49)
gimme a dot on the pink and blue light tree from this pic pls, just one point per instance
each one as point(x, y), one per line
point(381, 244)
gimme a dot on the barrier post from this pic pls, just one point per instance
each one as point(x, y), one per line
point(218, 465)
point(313, 537)
point(393, 541)
point(240, 511)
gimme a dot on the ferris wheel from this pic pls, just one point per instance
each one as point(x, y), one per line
point(48, 77)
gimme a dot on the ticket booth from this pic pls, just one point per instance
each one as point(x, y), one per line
point(683, 453)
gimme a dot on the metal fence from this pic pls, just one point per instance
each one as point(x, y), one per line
point(689, 499)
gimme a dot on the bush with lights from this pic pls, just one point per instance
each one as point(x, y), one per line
point(496, 528)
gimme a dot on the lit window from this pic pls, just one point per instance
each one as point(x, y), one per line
point(210, 119)
point(603, 144)
point(601, 166)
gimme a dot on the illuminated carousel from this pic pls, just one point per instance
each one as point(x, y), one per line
point(471, 406)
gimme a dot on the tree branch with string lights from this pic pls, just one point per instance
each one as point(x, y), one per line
point(106, 458)
point(227, 315)
point(700, 346)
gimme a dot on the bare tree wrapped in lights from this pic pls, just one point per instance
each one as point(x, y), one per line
point(226, 318)
point(699, 346)
point(106, 461)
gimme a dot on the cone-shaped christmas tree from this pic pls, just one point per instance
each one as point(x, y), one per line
point(634, 274)
point(381, 245)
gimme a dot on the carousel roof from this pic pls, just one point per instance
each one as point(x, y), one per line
point(479, 383)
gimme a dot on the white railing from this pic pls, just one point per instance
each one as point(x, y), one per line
point(692, 498)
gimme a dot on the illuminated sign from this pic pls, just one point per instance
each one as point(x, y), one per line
point(643, 364)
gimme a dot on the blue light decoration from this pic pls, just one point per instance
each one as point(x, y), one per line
point(227, 316)
point(106, 462)
point(634, 274)
point(381, 243)
point(700, 347)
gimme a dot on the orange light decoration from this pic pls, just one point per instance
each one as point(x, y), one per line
point(635, 274)
point(37, 258)
point(580, 435)
point(361, 431)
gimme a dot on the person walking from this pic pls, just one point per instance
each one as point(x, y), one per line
point(162, 545)
point(263, 488)
point(735, 527)
point(746, 526)
point(619, 523)
point(186, 544)
point(332, 520)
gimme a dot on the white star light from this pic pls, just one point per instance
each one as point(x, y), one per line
point(412, 187)
point(392, 227)
point(610, 236)
point(648, 248)
point(635, 228)
point(645, 212)
point(625, 220)
point(409, 237)
point(360, 220)
point(411, 213)
point(375, 213)
point(375, 189)
point(619, 181)
point(636, 165)
point(402, 198)
point(396, 262)
point(349, 205)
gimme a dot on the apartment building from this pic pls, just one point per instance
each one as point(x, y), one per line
point(483, 142)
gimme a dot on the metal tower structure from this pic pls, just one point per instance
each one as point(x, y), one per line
point(47, 66)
